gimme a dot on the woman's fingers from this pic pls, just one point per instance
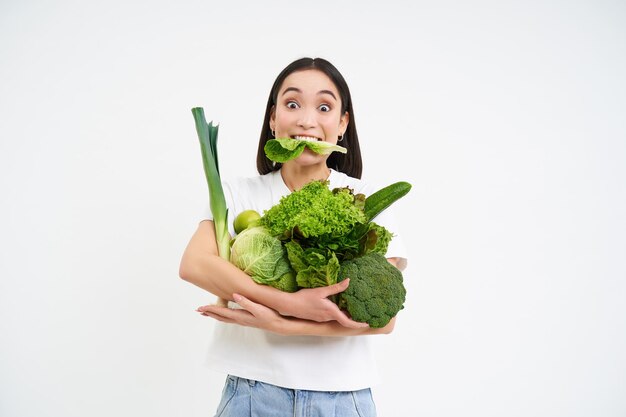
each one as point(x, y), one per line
point(340, 316)
point(225, 314)
point(345, 321)
point(250, 314)
point(218, 317)
point(335, 288)
point(258, 315)
point(313, 304)
point(245, 303)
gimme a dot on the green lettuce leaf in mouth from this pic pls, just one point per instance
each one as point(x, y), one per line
point(286, 149)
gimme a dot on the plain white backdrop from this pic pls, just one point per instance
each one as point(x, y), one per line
point(506, 116)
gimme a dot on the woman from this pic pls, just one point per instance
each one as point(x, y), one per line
point(286, 351)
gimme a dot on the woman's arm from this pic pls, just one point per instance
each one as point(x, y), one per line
point(256, 315)
point(201, 266)
point(399, 263)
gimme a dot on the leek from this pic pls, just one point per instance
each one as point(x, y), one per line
point(207, 133)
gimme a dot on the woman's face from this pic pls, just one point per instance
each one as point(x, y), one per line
point(308, 107)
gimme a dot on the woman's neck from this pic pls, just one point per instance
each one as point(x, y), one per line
point(297, 176)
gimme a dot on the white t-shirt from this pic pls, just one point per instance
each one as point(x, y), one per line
point(299, 362)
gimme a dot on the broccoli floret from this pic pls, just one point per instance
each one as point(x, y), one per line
point(376, 292)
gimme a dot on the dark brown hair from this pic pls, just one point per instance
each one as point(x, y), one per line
point(349, 163)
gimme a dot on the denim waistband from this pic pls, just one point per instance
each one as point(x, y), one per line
point(243, 397)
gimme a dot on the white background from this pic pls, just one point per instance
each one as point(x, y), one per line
point(507, 117)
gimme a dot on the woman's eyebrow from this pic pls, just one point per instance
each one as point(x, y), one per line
point(288, 89)
point(297, 90)
point(327, 92)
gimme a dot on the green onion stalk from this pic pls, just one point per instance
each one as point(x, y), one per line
point(207, 133)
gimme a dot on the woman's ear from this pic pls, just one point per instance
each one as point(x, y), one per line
point(272, 117)
point(343, 123)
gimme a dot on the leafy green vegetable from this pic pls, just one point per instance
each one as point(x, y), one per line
point(376, 292)
point(314, 267)
point(207, 133)
point(312, 211)
point(321, 228)
point(263, 257)
point(286, 149)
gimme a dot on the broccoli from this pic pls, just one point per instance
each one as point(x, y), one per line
point(376, 292)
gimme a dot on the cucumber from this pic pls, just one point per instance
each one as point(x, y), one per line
point(385, 197)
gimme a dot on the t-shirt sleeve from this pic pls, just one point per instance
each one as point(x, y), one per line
point(387, 219)
point(205, 212)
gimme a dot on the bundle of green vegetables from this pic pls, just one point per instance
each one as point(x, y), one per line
point(317, 237)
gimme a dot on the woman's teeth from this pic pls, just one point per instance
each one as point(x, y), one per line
point(307, 138)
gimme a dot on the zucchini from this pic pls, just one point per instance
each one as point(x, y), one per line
point(385, 197)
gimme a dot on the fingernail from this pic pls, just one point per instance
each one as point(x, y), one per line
point(237, 297)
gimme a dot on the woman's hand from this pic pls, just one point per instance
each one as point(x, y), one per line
point(250, 314)
point(253, 314)
point(313, 304)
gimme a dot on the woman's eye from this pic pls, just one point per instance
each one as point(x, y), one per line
point(324, 107)
point(292, 105)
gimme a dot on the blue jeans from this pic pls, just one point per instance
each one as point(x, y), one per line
point(246, 398)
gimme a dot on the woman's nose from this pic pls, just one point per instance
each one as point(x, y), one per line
point(307, 119)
